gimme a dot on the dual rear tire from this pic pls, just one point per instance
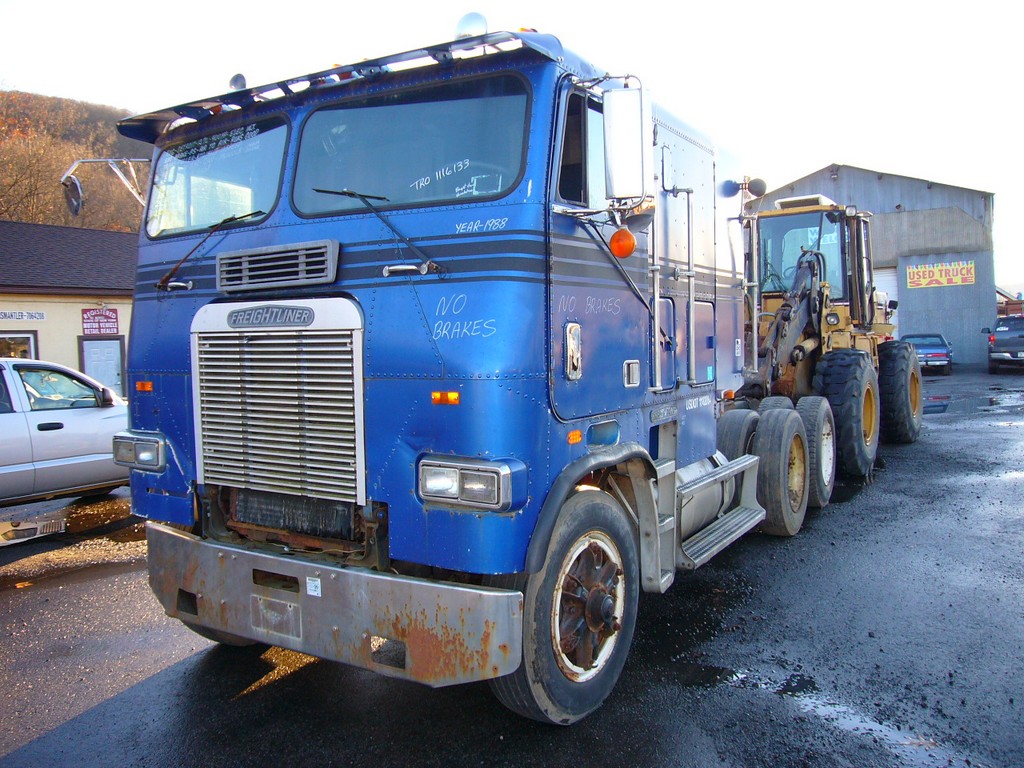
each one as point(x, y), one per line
point(777, 436)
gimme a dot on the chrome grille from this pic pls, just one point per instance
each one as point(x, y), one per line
point(281, 411)
point(278, 267)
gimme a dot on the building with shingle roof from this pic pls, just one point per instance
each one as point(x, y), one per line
point(66, 296)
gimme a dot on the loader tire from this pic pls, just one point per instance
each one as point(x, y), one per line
point(821, 448)
point(780, 443)
point(847, 379)
point(899, 384)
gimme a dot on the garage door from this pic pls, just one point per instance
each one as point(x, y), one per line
point(887, 282)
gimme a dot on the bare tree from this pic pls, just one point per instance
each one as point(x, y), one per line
point(40, 138)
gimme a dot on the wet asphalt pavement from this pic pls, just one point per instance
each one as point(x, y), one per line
point(890, 632)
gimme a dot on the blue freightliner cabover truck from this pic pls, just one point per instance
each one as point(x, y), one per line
point(425, 363)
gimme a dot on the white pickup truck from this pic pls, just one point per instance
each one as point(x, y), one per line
point(57, 425)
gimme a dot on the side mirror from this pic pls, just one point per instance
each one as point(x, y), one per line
point(628, 144)
point(986, 329)
point(106, 398)
point(638, 222)
point(73, 194)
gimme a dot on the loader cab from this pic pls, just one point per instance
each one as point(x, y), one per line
point(839, 233)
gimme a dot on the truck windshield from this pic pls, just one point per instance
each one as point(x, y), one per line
point(453, 142)
point(201, 182)
point(780, 240)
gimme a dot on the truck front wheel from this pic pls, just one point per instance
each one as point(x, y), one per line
point(578, 614)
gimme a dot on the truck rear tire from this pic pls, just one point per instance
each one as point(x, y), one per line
point(775, 401)
point(899, 383)
point(782, 476)
point(821, 448)
point(847, 379)
point(579, 611)
point(736, 432)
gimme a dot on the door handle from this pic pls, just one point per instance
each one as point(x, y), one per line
point(50, 426)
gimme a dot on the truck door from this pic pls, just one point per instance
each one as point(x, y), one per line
point(69, 429)
point(16, 471)
point(599, 310)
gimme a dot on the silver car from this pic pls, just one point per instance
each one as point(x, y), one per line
point(57, 426)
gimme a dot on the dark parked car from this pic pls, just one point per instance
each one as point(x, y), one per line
point(933, 351)
point(1006, 343)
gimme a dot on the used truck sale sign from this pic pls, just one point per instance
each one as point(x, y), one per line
point(933, 275)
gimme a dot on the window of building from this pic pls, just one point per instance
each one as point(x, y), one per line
point(20, 344)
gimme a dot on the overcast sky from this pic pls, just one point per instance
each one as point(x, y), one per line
point(902, 87)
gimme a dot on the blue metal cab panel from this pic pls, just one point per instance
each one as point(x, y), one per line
point(494, 298)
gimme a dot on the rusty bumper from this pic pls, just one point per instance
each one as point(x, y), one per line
point(432, 632)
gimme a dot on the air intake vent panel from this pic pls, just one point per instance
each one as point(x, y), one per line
point(295, 264)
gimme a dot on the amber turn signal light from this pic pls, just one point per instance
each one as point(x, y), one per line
point(623, 243)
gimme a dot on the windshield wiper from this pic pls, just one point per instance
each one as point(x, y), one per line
point(163, 284)
point(428, 265)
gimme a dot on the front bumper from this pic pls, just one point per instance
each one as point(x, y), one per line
point(432, 632)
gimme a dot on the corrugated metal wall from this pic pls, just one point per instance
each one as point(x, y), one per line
point(919, 224)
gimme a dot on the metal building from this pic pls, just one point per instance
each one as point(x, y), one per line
point(933, 249)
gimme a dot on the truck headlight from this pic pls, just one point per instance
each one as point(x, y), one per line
point(479, 487)
point(495, 485)
point(439, 482)
point(140, 451)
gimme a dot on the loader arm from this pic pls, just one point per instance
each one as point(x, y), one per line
point(800, 311)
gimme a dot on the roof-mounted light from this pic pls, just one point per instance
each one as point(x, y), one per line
point(471, 25)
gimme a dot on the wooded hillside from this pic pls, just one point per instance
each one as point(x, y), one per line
point(40, 138)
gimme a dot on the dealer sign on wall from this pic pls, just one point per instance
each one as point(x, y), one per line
point(936, 275)
point(101, 321)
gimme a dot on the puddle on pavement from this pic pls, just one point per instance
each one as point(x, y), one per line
point(946, 404)
point(911, 748)
point(797, 685)
point(998, 397)
point(703, 676)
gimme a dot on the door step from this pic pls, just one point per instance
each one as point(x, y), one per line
point(711, 540)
